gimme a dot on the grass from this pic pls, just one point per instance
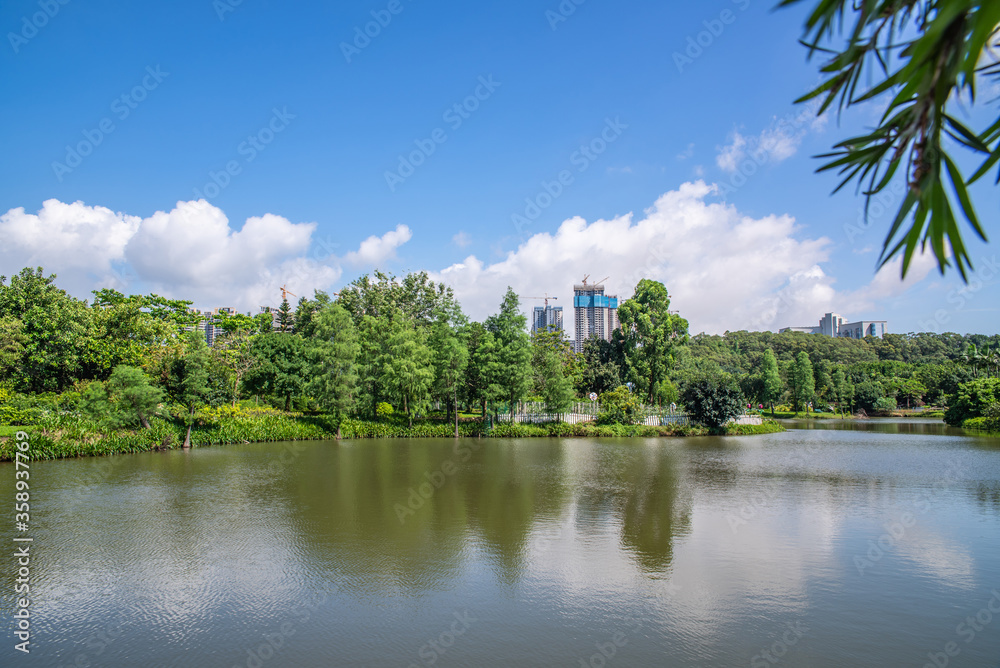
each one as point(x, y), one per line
point(6, 431)
point(801, 415)
point(72, 436)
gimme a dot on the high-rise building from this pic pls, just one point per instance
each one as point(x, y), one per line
point(547, 318)
point(595, 313)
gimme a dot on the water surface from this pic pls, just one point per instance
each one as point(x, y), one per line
point(837, 546)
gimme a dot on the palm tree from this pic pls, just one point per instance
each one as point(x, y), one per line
point(973, 358)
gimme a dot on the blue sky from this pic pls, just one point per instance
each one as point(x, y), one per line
point(311, 117)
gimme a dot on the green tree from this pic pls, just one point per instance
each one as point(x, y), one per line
point(513, 373)
point(135, 397)
point(286, 319)
point(550, 362)
point(770, 380)
point(972, 400)
point(801, 382)
point(867, 395)
point(713, 400)
point(408, 371)
point(650, 334)
point(189, 378)
point(53, 331)
point(601, 372)
point(280, 368)
point(451, 357)
point(842, 389)
point(480, 386)
point(926, 57)
point(334, 351)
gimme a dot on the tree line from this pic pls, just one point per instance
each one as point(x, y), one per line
point(389, 345)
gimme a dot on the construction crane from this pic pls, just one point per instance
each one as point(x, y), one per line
point(285, 292)
point(601, 282)
point(585, 279)
point(546, 298)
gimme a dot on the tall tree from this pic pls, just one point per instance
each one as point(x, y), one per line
point(551, 360)
point(771, 385)
point(408, 371)
point(601, 372)
point(54, 329)
point(513, 375)
point(333, 354)
point(189, 378)
point(480, 386)
point(801, 381)
point(650, 334)
point(280, 368)
point(451, 357)
point(927, 58)
point(286, 319)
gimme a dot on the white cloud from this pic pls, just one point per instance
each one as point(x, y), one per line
point(376, 249)
point(461, 240)
point(686, 153)
point(721, 268)
point(775, 143)
point(85, 243)
point(724, 270)
point(191, 252)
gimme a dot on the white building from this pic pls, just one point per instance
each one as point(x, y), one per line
point(831, 324)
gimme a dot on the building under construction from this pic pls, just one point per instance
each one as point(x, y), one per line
point(596, 314)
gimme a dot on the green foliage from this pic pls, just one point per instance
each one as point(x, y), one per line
point(925, 56)
point(713, 400)
point(332, 354)
point(649, 336)
point(408, 371)
point(885, 405)
point(801, 382)
point(551, 363)
point(619, 406)
point(601, 367)
point(384, 410)
point(867, 394)
point(972, 400)
point(511, 363)
point(280, 368)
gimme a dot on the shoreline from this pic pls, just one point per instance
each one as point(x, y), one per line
point(74, 441)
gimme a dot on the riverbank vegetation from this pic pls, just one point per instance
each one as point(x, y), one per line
point(398, 357)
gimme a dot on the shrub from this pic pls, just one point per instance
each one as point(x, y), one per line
point(972, 400)
point(619, 406)
point(885, 405)
point(383, 410)
point(713, 400)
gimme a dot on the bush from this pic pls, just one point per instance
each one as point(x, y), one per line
point(383, 410)
point(885, 405)
point(868, 394)
point(619, 406)
point(713, 400)
point(972, 400)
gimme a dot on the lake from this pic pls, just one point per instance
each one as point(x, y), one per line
point(849, 544)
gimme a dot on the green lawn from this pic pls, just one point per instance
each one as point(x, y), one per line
point(9, 431)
